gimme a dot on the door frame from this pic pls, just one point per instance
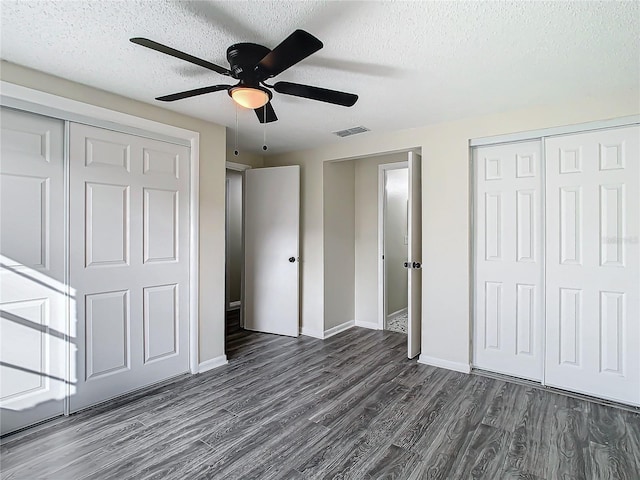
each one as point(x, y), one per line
point(68, 110)
point(541, 135)
point(238, 167)
point(383, 168)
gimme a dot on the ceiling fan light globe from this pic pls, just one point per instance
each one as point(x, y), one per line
point(250, 97)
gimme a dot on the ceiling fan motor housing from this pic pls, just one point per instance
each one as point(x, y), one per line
point(243, 58)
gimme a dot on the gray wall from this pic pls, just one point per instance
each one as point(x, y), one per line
point(339, 243)
point(234, 234)
point(254, 160)
point(395, 234)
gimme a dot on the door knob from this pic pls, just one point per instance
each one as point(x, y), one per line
point(416, 265)
point(407, 265)
point(292, 259)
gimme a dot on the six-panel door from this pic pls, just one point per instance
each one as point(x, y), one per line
point(508, 290)
point(593, 263)
point(32, 290)
point(129, 262)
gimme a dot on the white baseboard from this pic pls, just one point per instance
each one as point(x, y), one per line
point(449, 365)
point(402, 310)
point(339, 328)
point(308, 332)
point(369, 325)
point(213, 363)
point(234, 305)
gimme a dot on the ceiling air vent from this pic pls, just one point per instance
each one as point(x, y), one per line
point(351, 131)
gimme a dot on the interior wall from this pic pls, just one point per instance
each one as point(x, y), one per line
point(234, 234)
point(396, 239)
point(446, 314)
point(339, 243)
point(212, 188)
point(254, 160)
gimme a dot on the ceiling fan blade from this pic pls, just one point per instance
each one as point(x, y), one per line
point(178, 54)
point(316, 93)
point(296, 47)
point(271, 114)
point(193, 93)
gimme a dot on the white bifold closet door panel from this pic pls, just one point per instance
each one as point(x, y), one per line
point(508, 325)
point(33, 333)
point(593, 260)
point(129, 262)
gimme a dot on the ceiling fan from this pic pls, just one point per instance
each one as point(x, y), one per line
point(251, 64)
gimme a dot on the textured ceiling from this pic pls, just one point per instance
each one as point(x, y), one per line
point(412, 63)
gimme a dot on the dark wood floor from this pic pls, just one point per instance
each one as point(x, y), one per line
point(348, 407)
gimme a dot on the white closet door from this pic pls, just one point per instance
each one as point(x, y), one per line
point(32, 290)
point(509, 265)
point(593, 277)
point(129, 262)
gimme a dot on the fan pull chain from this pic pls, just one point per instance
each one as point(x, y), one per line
point(264, 129)
point(235, 152)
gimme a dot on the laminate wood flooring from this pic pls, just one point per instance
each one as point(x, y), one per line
point(349, 407)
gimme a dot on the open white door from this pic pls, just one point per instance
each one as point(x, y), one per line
point(415, 256)
point(272, 229)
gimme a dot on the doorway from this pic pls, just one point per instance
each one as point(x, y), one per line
point(394, 196)
point(234, 184)
point(391, 249)
point(262, 250)
point(354, 193)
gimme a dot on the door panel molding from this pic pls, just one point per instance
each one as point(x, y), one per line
point(593, 300)
point(507, 268)
point(33, 292)
point(132, 329)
